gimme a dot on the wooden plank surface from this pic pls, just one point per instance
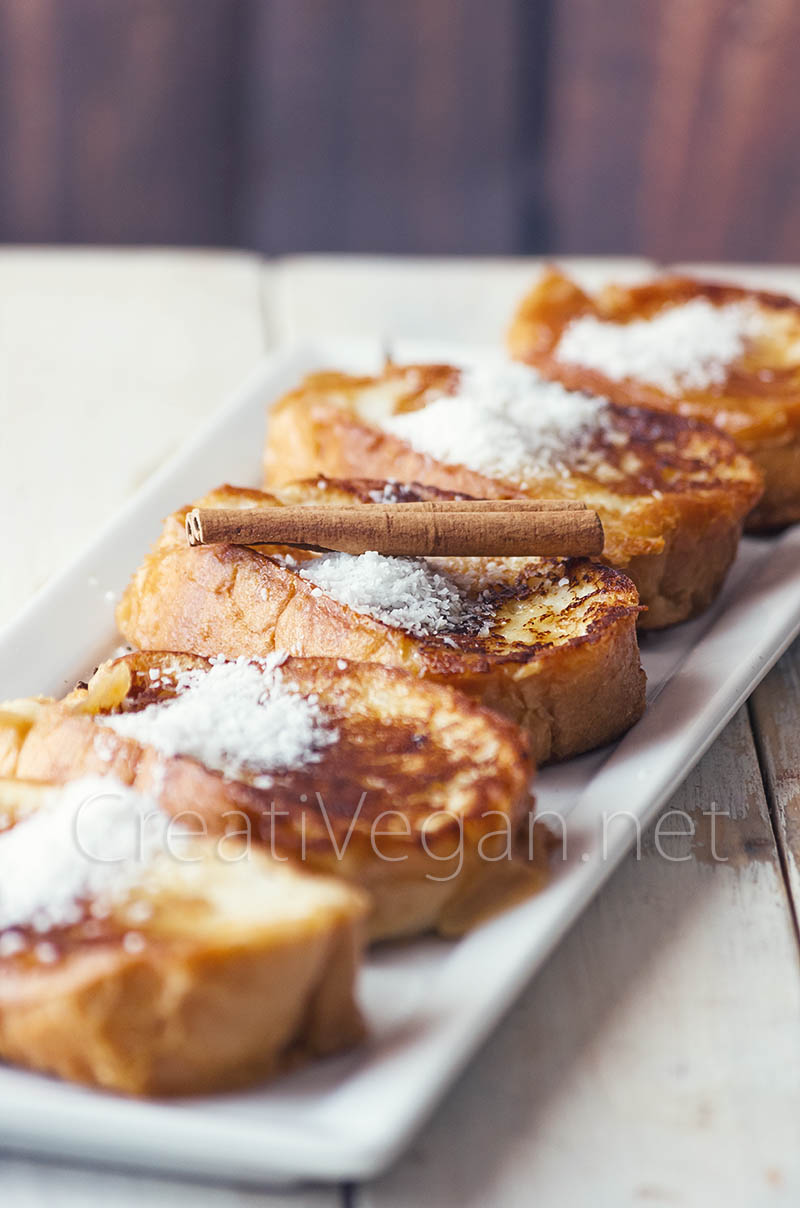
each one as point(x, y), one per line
point(107, 361)
point(429, 126)
point(655, 1059)
point(464, 298)
point(119, 122)
point(775, 709)
point(30, 1184)
point(668, 131)
point(380, 127)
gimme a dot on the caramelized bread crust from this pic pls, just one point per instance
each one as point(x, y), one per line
point(672, 495)
point(560, 658)
point(238, 970)
point(407, 803)
point(757, 401)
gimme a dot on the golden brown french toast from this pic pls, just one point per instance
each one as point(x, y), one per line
point(719, 353)
point(403, 787)
point(671, 492)
point(138, 956)
point(549, 643)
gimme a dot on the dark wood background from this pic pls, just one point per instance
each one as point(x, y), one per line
point(668, 127)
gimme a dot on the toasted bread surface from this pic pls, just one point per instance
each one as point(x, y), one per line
point(217, 969)
point(755, 397)
point(557, 650)
point(405, 801)
point(672, 492)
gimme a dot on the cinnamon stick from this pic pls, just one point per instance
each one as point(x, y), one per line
point(426, 529)
point(484, 505)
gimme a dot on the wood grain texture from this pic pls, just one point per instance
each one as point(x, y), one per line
point(673, 128)
point(385, 127)
point(119, 122)
point(723, 176)
point(775, 709)
point(654, 1059)
point(443, 126)
point(600, 80)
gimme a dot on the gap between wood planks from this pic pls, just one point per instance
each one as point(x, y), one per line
point(653, 1056)
point(774, 709)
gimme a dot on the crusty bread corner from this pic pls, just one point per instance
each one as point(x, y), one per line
point(244, 969)
point(762, 412)
point(677, 548)
point(436, 806)
point(584, 689)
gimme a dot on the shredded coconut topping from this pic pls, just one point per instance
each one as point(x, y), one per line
point(684, 347)
point(86, 848)
point(404, 592)
point(240, 716)
point(506, 422)
point(392, 491)
point(388, 493)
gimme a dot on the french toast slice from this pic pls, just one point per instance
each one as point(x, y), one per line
point(671, 492)
point(716, 352)
point(402, 787)
point(549, 643)
point(139, 957)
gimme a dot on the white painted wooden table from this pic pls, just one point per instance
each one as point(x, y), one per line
point(656, 1059)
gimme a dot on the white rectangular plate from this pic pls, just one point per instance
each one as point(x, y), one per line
point(428, 1004)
